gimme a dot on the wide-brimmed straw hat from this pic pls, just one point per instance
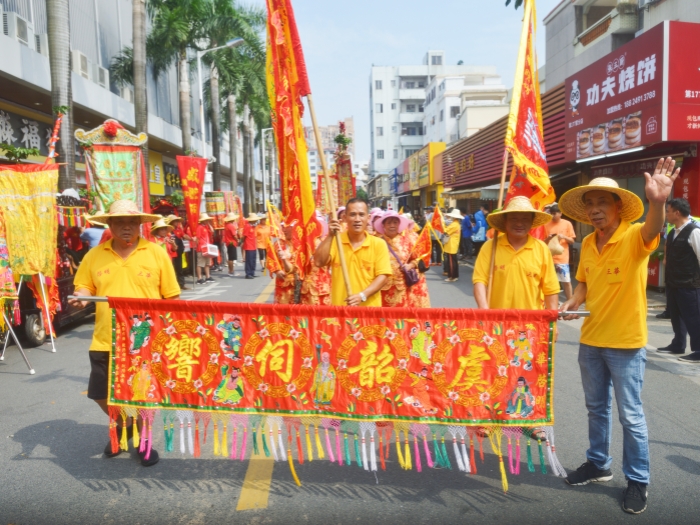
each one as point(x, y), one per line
point(520, 204)
point(403, 221)
point(172, 218)
point(160, 223)
point(252, 217)
point(454, 214)
point(571, 203)
point(205, 217)
point(123, 208)
point(231, 217)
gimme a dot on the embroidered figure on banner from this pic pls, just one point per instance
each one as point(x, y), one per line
point(230, 327)
point(141, 382)
point(140, 332)
point(323, 387)
point(422, 343)
point(521, 402)
point(230, 390)
point(420, 390)
point(522, 346)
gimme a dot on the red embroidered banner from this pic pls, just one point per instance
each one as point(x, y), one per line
point(192, 172)
point(452, 367)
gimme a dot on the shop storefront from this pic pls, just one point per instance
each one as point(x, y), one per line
point(429, 188)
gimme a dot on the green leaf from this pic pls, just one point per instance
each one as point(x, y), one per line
point(303, 395)
point(499, 412)
point(496, 405)
point(399, 404)
point(209, 391)
point(305, 402)
point(397, 397)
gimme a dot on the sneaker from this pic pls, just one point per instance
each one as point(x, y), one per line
point(249, 277)
point(209, 280)
point(669, 350)
point(153, 458)
point(201, 281)
point(588, 472)
point(691, 358)
point(634, 498)
point(231, 274)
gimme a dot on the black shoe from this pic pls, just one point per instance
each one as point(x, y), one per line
point(153, 458)
point(201, 281)
point(249, 277)
point(634, 498)
point(210, 280)
point(108, 449)
point(692, 358)
point(588, 472)
point(669, 350)
point(663, 315)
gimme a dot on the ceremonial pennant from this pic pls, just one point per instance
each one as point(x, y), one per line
point(273, 220)
point(116, 173)
point(437, 222)
point(450, 367)
point(287, 83)
point(524, 135)
point(272, 262)
point(346, 181)
point(215, 206)
point(192, 172)
point(423, 247)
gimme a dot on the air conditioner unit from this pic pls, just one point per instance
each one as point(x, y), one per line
point(81, 64)
point(127, 94)
point(41, 44)
point(18, 28)
point(100, 76)
point(644, 3)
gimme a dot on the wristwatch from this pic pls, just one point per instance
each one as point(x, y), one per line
point(363, 296)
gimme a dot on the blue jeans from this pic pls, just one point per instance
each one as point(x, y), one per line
point(603, 369)
point(250, 262)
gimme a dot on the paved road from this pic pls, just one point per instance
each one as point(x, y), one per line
point(52, 470)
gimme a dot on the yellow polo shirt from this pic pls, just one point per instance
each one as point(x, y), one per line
point(364, 265)
point(520, 278)
point(454, 230)
point(146, 274)
point(617, 284)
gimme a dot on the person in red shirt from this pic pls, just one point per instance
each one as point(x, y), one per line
point(250, 245)
point(231, 241)
point(204, 238)
point(178, 235)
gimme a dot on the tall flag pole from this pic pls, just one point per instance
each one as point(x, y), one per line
point(524, 134)
point(287, 83)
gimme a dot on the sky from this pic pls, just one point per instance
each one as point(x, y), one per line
point(342, 40)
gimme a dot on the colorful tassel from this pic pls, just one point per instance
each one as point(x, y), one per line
point(135, 437)
point(358, 458)
point(291, 466)
point(197, 450)
point(124, 442)
point(319, 446)
point(190, 436)
point(381, 452)
point(480, 438)
point(402, 462)
point(182, 437)
point(256, 451)
point(419, 467)
point(280, 442)
point(436, 450)
point(309, 448)
point(530, 464)
point(234, 445)
point(272, 442)
point(445, 457)
point(517, 455)
point(364, 452)
point(300, 451)
point(224, 440)
point(426, 449)
point(407, 453)
point(373, 454)
point(472, 458)
point(543, 467)
point(329, 448)
point(348, 460)
point(337, 448)
point(510, 455)
point(458, 455)
point(264, 443)
point(113, 435)
point(217, 450)
point(144, 431)
point(495, 437)
point(245, 438)
point(465, 456)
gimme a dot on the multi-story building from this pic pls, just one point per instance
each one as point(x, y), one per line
point(100, 30)
point(328, 135)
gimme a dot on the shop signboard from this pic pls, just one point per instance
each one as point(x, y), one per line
point(413, 168)
point(424, 167)
point(645, 92)
point(24, 131)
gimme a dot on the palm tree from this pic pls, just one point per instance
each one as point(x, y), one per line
point(61, 87)
point(138, 59)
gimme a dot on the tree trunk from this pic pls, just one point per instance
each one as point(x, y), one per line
point(215, 126)
point(263, 171)
point(139, 48)
point(246, 162)
point(232, 142)
point(61, 89)
point(185, 116)
point(274, 181)
point(251, 163)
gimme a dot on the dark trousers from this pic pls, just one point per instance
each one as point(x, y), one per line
point(177, 262)
point(452, 265)
point(684, 309)
point(465, 247)
point(436, 256)
point(250, 257)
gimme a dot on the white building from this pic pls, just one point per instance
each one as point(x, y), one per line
point(459, 105)
point(328, 135)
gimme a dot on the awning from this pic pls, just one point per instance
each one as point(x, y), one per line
point(416, 193)
point(487, 193)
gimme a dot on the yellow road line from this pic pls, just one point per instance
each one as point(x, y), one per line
point(266, 293)
point(255, 492)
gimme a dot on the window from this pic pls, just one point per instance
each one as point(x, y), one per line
point(380, 131)
point(393, 105)
point(454, 111)
point(377, 84)
point(409, 85)
point(393, 129)
point(396, 154)
point(379, 108)
point(410, 108)
point(442, 115)
point(313, 153)
point(436, 60)
point(380, 154)
point(421, 108)
point(421, 84)
point(410, 152)
point(393, 83)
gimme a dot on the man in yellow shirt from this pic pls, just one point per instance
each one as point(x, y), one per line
point(125, 266)
point(612, 277)
point(366, 257)
point(454, 231)
point(524, 271)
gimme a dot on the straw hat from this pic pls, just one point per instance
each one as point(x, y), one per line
point(123, 208)
point(497, 219)
point(205, 217)
point(454, 214)
point(160, 223)
point(92, 221)
point(403, 221)
point(252, 217)
point(173, 218)
point(571, 203)
point(231, 217)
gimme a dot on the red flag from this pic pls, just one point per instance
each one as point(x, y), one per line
point(437, 222)
point(524, 135)
point(423, 247)
point(192, 171)
point(287, 82)
point(272, 264)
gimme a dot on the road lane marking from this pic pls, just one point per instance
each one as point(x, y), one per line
point(255, 492)
point(266, 293)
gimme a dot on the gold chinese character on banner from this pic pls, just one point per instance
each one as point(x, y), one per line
point(183, 353)
point(281, 355)
point(374, 368)
point(470, 368)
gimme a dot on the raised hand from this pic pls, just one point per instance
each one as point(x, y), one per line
point(659, 185)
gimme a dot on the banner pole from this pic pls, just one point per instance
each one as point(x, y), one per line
point(331, 204)
point(489, 290)
point(48, 324)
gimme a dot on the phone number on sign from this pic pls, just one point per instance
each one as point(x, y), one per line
point(640, 98)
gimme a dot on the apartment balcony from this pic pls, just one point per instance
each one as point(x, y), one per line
point(412, 140)
point(624, 19)
point(412, 94)
point(411, 117)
